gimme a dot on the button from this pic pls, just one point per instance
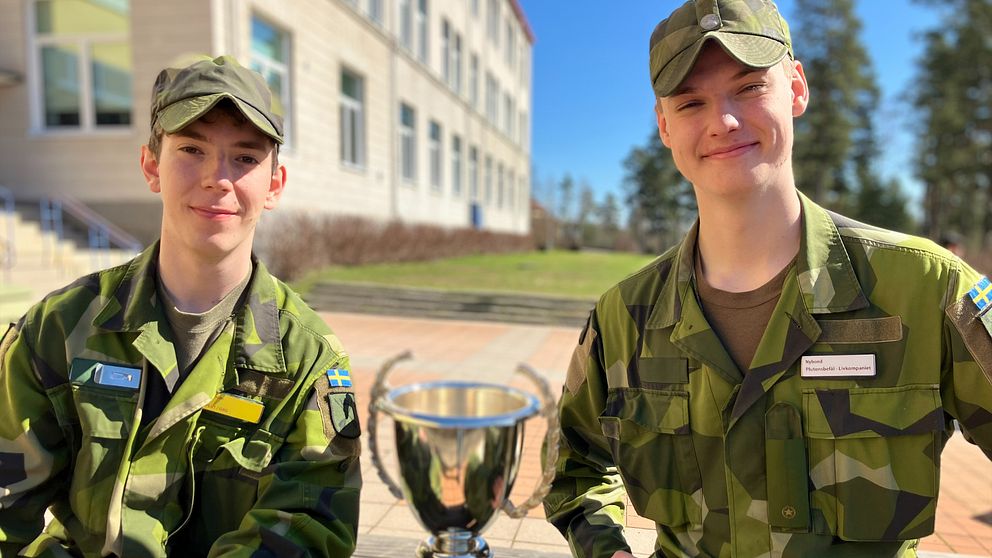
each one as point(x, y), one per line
point(710, 22)
point(789, 512)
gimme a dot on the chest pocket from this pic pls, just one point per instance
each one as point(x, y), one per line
point(106, 417)
point(651, 442)
point(874, 460)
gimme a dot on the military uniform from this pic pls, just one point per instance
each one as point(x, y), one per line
point(829, 445)
point(255, 454)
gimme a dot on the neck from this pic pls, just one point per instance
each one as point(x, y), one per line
point(744, 243)
point(196, 284)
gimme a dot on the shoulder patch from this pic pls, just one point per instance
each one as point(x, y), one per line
point(338, 378)
point(344, 414)
point(981, 295)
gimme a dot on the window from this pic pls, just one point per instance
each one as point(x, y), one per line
point(456, 65)
point(489, 180)
point(408, 142)
point(270, 57)
point(493, 20)
point(473, 80)
point(473, 173)
point(511, 182)
point(352, 119)
point(375, 11)
point(522, 130)
point(434, 147)
point(522, 192)
point(84, 64)
point(446, 51)
point(492, 99)
point(475, 8)
point(406, 24)
point(511, 43)
point(499, 185)
point(422, 25)
point(508, 114)
point(456, 165)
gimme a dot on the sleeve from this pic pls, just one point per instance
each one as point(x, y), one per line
point(966, 377)
point(33, 450)
point(308, 497)
point(586, 500)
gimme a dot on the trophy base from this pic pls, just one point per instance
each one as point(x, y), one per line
point(454, 544)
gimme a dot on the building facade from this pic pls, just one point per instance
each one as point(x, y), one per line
point(409, 110)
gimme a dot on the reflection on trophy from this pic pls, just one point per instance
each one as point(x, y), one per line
point(459, 445)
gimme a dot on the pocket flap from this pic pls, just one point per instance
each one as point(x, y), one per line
point(661, 411)
point(872, 412)
point(255, 453)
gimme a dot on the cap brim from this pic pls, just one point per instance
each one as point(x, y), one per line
point(752, 51)
point(182, 113)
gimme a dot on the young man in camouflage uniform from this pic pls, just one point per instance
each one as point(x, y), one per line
point(782, 383)
point(186, 403)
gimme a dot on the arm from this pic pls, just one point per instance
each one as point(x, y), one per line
point(966, 378)
point(308, 496)
point(32, 448)
point(586, 498)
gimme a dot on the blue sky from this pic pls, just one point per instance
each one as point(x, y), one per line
point(593, 101)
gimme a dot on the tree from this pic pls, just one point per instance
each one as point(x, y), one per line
point(953, 99)
point(585, 221)
point(661, 200)
point(843, 98)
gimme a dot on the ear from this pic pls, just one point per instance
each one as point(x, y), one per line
point(800, 89)
point(149, 168)
point(662, 124)
point(276, 187)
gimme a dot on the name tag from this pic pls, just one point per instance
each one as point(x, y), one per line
point(117, 376)
point(235, 406)
point(838, 366)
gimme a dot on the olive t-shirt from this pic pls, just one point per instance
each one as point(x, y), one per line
point(740, 319)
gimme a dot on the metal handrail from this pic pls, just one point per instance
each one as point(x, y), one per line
point(103, 233)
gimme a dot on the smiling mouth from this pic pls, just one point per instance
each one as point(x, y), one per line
point(730, 151)
point(213, 213)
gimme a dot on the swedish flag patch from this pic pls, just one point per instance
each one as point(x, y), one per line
point(981, 295)
point(338, 377)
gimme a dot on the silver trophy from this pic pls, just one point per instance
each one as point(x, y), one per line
point(458, 445)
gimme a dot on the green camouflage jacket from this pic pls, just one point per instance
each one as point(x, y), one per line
point(829, 445)
point(255, 454)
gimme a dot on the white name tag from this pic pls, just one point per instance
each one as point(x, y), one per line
point(837, 366)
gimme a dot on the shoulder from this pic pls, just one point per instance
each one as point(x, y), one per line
point(70, 303)
point(300, 325)
point(891, 251)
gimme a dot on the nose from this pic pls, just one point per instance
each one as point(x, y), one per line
point(219, 174)
point(723, 118)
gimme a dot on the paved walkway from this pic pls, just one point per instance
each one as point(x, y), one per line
point(445, 349)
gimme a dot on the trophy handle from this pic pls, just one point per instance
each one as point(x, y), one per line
point(549, 411)
point(379, 389)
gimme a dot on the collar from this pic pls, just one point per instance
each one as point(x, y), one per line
point(134, 306)
point(827, 282)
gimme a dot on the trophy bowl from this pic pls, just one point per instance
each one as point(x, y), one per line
point(459, 445)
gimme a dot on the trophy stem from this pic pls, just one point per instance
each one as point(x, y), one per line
point(454, 543)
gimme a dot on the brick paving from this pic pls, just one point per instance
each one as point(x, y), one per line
point(489, 352)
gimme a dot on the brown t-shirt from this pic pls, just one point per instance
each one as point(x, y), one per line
point(739, 319)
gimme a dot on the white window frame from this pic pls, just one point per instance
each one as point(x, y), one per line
point(456, 65)
point(423, 30)
point(456, 166)
point(511, 43)
point(376, 10)
point(446, 51)
point(493, 21)
point(488, 193)
point(87, 109)
point(406, 24)
point(473, 173)
point(284, 68)
point(352, 156)
point(500, 185)
point(435, 155)
point(473, 81)
point(408, 136)
point(511, 182)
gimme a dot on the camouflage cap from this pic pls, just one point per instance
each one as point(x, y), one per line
point(751, 31)
point(181, 95)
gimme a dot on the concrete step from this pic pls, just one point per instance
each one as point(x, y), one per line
point(429, 303)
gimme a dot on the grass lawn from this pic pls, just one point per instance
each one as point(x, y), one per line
point(560, 273)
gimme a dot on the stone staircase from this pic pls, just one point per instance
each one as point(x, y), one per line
point(34, 262)
point(428, 303)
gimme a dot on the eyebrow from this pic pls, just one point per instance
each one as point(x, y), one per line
point(244, 144)
point(686, 89)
